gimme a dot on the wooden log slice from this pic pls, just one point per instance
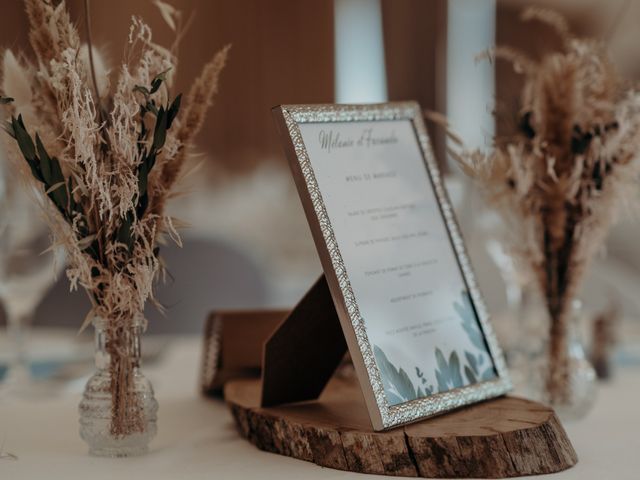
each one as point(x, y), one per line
point(505, 437)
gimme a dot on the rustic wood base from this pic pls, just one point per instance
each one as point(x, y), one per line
point(505, 437)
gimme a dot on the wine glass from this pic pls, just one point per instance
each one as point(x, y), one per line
point(26, 272)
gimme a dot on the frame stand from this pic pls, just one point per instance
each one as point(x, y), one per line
point(304, 352)
point(298, 410)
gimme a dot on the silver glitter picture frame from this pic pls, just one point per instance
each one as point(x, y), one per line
point(383, 415)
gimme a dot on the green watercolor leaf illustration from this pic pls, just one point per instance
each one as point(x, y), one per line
point(442, 382)
point(397, 385)
point(473, 363)
point(469, 321)
point(454, 370)
point(442, 362)
point(488, 374)
point(392, 398)
point(471, 377)
point(448, 373)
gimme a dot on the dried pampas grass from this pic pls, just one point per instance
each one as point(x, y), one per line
point(560, 179)
point(106, 158)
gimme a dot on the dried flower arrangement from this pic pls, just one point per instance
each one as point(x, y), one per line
point(106, 157)
point(559, 180)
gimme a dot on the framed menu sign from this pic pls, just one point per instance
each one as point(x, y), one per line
point(393, 257)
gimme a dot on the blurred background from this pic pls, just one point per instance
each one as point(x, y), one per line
point(248, 244)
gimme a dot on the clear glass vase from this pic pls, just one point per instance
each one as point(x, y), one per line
point(581, 390)
point(97, 410)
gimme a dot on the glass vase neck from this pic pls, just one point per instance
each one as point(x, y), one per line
point(128, 339)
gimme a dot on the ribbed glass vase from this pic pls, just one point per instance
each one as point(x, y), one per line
point(581, 388)
point(119, 429)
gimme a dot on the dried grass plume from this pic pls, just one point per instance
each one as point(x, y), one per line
point(105, 158)
point(560, 179)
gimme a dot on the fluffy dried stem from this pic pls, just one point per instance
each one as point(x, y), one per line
point(560, 179)
point(198, 101)
point(104, 176)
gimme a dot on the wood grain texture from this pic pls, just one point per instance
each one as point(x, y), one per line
point(505, 437)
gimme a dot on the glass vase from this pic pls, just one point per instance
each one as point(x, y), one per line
point(581, 389)
point(111, 427)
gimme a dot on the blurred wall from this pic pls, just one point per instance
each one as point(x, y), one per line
point(282, 53)
point(415, 54)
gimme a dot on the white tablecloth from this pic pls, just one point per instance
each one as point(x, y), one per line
point(197, 438)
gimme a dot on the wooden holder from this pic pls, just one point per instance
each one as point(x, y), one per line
point(304, 352)
point(233, 343)
point(298, 410)
point(501, 438)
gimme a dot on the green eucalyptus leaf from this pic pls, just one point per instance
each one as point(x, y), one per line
point(56, 202)
point(60, 195)
point(157, 81)
point(124, 232)
point(155, 85)
point(35, 171)
point(143, 203)
point(151, 160)
point(173, 110)
point(152, 107)
point(142, 90)
point(143, 176)
point(23, 138)
point(45, 161)
point(160, 132)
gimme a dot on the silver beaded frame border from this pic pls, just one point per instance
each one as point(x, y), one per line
point(434, 404)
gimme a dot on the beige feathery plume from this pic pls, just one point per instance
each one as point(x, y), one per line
point(197, 103)
point(15, 83)
point(200, 97)
point(105, 166)
point(552, 18)
point(100, 66)
point(50, 29)
point(559, 180)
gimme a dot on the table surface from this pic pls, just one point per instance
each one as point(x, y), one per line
point(197, 438)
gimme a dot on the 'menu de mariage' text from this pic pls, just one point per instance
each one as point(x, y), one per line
point(332, 140)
